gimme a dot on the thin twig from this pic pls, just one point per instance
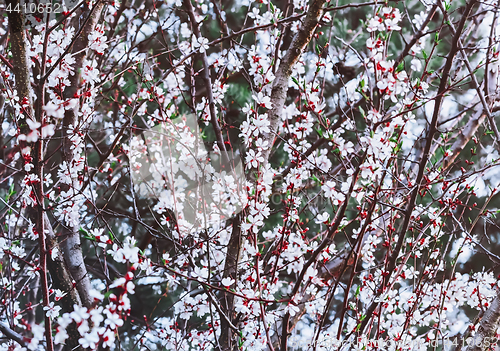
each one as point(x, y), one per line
point(13, 335)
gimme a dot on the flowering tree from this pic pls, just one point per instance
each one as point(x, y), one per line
point(237, 175)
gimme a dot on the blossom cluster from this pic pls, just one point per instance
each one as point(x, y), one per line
point(162, 228)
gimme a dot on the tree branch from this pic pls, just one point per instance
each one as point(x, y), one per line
point(214, 120)
point(486, 107)
point(230, 270)
point(71, 245)
point(279, 88)
point(443, 87)
point(487, 326)
point(13, 335)
point(23, 86)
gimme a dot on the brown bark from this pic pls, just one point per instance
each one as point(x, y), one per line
point(23, 86)
point(280, 84)
point(443, 88)
point(486, 332)
point(279, 93)
point(233, 253)
point(62, 280)
point(71, 244)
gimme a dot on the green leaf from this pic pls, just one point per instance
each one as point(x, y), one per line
point(363, 113)
point(425, 55)
point(315, 179)
point(83, 231)
point(240, 340)
point(319, 131)
point(11, 192)
point(436, 38)
point(398, 147)
point(400, 67)
point(295, 81)
point(86, 234)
